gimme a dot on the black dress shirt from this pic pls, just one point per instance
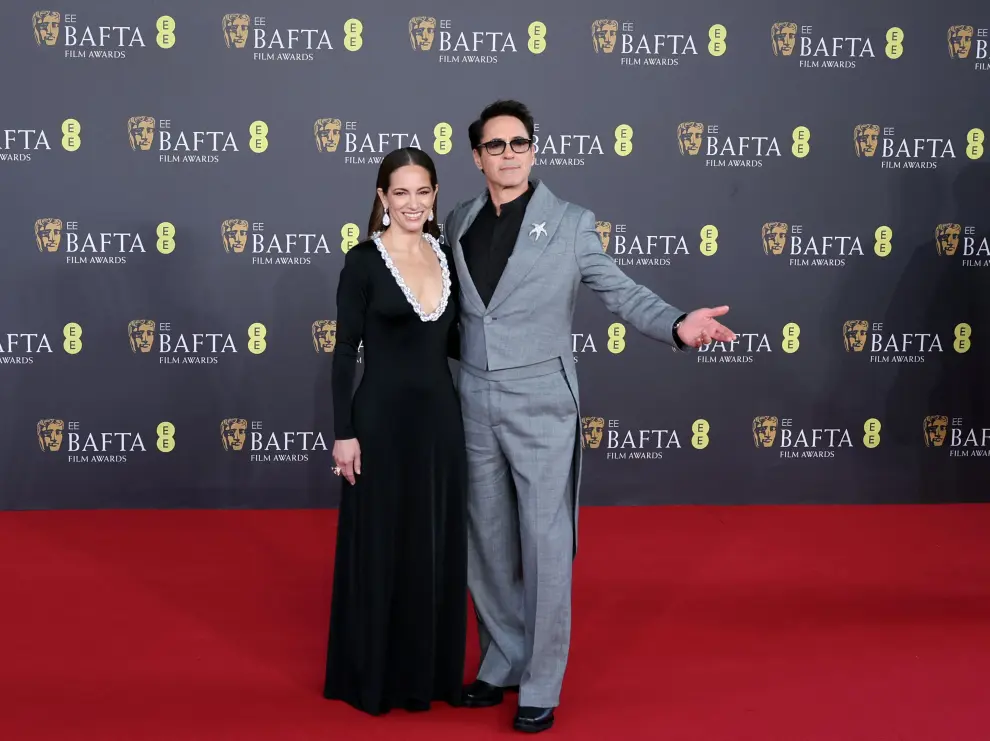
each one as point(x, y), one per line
point(489, 241)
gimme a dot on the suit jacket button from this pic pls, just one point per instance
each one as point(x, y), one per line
point(488, 320)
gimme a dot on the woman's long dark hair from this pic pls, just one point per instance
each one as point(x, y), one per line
point(392, 162)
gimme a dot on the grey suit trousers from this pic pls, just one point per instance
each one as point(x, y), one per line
point(520, 426)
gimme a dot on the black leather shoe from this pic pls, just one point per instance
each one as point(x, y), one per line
point(533, 720)
point(480, 694)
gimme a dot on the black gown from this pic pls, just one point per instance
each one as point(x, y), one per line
point(398, 614)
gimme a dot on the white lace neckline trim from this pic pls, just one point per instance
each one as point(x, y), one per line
point(410, 297)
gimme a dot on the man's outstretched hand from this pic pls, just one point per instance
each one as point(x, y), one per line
point(700, 327)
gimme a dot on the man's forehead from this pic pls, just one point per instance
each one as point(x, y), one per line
point(502, 127)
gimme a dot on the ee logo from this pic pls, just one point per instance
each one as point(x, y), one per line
point(71, 135)
point(441, 141)
point(256, 338)
point(166, 31)
point(616, 338)
point(166, 437)
point(72, 333)
point(883, 236)
point(699, 433)
point(716, 40)
point(623, 140)
point(962, 334)
point(259, 137)
point(974, 140)
point(166, 243)
point(709, 240)
point(352, 34)
point(350, 235)
point(872, 429)
point(895, 43)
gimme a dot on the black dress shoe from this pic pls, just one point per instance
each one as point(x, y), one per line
point(480, 694)
point(533, 720)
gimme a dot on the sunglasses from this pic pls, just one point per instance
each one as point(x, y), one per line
point(497, 146)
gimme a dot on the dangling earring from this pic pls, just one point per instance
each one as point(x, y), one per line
point(385, 219)
point(430, 217)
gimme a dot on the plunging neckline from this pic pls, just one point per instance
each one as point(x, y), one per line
point(410, 297)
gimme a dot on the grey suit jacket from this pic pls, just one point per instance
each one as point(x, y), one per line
point(529, 318)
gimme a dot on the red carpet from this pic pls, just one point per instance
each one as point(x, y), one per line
point(707, 624)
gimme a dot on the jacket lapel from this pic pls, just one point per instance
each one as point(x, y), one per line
point(543, 215)
point(468, 287)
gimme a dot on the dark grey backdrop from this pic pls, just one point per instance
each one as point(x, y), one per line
point(387, 87)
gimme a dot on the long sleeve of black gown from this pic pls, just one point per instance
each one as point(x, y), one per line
point(352, 301)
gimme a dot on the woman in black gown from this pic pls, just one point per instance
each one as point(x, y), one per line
point(398, 615)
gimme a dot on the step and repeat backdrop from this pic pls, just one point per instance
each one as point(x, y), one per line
point(180, 181)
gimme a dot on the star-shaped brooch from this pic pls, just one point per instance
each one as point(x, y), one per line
point(537, 230)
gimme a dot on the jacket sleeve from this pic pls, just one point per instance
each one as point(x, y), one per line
point(632, 302)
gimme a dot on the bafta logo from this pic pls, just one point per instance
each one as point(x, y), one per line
point(141, 333)
point(327, 133)
point(947, 238)
point(689, 136)
point(48, 234)
point(865, 137)
point(783, 36)
point(774, 237)
point(141, 132)
point(46, 26)
point(236, 27)
point(604, 229)
point(234, 233)
point(324, 335)
point(960, 41)
point(603, 33)
point(854, 334)
point(764, 431)
point(422, 29)
point(233, 433)
point(936, 426)
point(593, 428)
point(50, 434)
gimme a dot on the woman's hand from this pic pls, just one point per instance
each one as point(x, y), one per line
point(347, 457)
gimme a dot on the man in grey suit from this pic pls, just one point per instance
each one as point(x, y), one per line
point(521, 254)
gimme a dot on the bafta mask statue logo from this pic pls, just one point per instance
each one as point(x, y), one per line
point(234, 233)
point(854, 334)
point(236, 27)
point(865, 137)
point(141, 132)
point(783, 36)
point(604, 229)
point(141, 333)
point(422, 29)
point(764, 431)
point(233, 433)
point(774, 237)
point(324, 335)
point(936, 427)
point(960, 41)
point(593, 428)
point(603, 33)
point(327, 133)
point(50, 434)
point(48, 234)
point(689, 135)
point(46, 27)
point(947, 238)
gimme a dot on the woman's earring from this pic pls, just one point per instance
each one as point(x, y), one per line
point(430, 217)
point(385, 219)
